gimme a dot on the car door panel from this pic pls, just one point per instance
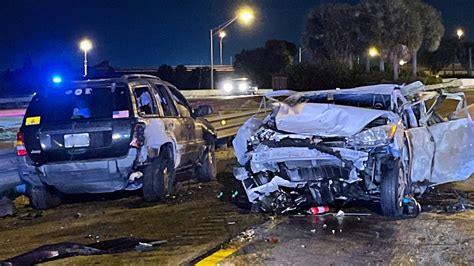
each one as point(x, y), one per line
point(421, 154)
point(174, 125)
point(454, 151)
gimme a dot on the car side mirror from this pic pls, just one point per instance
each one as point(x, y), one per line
point(203, 110)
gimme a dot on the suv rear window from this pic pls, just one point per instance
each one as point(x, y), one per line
point(81, 104)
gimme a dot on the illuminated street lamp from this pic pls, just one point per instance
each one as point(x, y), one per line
point(373, 52)
point(222, 35)
point(85, 45)
point(460, 33)
point(245, 16)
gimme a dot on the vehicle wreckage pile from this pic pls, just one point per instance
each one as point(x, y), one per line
point(383, 143)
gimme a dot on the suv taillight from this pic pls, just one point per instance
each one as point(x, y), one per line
point(20, 144)
point(138, 136)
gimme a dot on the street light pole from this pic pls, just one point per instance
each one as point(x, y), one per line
point(85, 46)
point(212, 59)
point(222, 34)
point(245, 15)
point(85, 63)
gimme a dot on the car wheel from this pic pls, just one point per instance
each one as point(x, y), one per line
point(393, 188)
point(42, 198)
point(159, 178)
point(207, 171)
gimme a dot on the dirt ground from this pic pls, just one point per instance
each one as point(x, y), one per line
point(194, 222)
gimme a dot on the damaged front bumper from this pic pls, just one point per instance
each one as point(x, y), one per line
point(287, 178)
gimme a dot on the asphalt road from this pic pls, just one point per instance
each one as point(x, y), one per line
point(438, 236)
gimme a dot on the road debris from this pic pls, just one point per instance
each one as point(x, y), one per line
point(318, 210)
point(30, 215)
point(272, 240)
point(246, 236)
point(66, 249)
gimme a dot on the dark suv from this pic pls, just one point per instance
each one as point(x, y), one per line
point(106, 135)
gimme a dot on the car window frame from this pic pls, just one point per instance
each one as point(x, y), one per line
point(186, 103)
point(158, 97)
point(153, 99)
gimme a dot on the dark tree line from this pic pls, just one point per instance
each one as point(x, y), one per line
point(397, 28)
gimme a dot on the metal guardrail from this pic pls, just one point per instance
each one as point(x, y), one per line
point(227, 125)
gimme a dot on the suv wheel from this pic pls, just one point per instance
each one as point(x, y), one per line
point(42, 198)
point(159, 178)
point(207, 171)
point(393, 188)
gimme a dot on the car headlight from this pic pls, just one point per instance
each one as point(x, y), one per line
point(243, 86)
point(374, 137)
point(227, 87)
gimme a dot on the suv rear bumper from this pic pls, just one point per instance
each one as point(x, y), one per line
point(100, 176)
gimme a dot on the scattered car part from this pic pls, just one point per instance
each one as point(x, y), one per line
point(64, 250)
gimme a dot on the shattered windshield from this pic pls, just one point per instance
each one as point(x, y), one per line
point(363, 100)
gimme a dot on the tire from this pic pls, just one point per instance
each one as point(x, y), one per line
point(42, 198)
point(393, 188)
point(159, 177)
point(207, 171)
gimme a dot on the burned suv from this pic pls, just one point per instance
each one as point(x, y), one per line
point(383, 143)
point(99, 136)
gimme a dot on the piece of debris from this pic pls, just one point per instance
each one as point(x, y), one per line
point(333, 231)
point(325, 226)
point(318, 210)
point(313, 230)
point(143, 247)
point(246, 236)
point(22, 201)
point(303, 246)
point(78, 215)
point(7, 208)
point(340, 213)
point(64, 250)
point(231, 223)
point(33, 214)
point(272, 240)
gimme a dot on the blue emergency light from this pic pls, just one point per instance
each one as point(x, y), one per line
point(57, 79)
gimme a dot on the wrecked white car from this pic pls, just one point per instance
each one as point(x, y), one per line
point(383, 143)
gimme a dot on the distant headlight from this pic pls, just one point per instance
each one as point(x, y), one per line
point(374, 137)
point(227, 87)
point(243, 86)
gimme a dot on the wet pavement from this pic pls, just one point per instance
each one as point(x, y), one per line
point(441, 235)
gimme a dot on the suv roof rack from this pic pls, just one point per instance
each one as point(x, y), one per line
point(138, 76)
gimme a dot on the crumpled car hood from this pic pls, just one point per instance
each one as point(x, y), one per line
point(326, 120)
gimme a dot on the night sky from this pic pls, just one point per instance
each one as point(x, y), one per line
point(143, 33)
